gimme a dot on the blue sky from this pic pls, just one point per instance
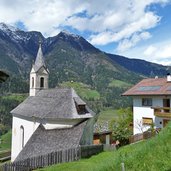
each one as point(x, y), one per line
point(132, 28)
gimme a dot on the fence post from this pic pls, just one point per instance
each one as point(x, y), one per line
point(123, 166)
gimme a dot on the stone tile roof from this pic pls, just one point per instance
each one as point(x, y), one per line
point(150, 86)
point(46, 141)
point(55, 103)
point(101, 127)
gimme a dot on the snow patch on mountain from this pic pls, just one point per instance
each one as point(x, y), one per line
point(67, 33)
point(13, 32)
point(7, 27)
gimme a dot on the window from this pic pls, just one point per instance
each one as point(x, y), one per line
point(81, 109)
point(32, 82)
point(147, 121)
point(22, 136)
point(41, 82)
point(146, 102)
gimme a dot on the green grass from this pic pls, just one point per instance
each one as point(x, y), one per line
point(119, 83)
point(149, 155)
point(107, 115)
point(83, 90)
point(6, 141)
point(18, 97)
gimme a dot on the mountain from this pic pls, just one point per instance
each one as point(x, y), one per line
point(70, 57)
point(140, 66)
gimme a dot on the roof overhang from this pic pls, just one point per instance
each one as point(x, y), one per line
point(132, 95)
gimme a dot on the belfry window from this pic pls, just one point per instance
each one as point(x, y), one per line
point(41, 82)
point(22, 136)
point(32, 82)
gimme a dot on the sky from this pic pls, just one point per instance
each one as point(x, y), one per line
point(132, 28)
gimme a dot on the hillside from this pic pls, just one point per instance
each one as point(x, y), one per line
point(140, 66)
point(69, 58)
point(6, 141)
point(149, 155)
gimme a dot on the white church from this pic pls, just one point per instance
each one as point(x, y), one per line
point(49, 119)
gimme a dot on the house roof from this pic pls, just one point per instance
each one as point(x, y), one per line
point(44, 141)
point(150, 86)
point(3, 76)
point(58, 103)
point(100, 127)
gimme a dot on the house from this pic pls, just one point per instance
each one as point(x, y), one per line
point(49, 119)
point(151, 103)
point(102, 134)
point(3, 76)
point(102, 137)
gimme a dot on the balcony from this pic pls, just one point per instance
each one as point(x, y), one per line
point(164, 112)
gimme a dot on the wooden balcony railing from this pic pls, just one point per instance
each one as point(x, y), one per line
point(164, 112)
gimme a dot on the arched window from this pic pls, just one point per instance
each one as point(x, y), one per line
point(41, 82)
point(32, 82)
point(21, 136)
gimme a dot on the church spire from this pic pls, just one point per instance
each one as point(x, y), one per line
point(39, 74)
point(39, 62)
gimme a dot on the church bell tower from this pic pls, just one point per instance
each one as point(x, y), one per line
point(39, 74)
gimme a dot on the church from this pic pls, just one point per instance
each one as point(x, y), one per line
point(49, 119)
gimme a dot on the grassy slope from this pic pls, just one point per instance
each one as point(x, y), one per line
point(83, 90)
point(150, 155)
point(6, 141)
point(107, 115)
point(119, 83)
point(18, 97)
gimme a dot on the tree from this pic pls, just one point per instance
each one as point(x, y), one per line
point(120, 126)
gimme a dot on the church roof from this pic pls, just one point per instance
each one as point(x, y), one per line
point(46, 141)
point(39, 62)
point(58, 103)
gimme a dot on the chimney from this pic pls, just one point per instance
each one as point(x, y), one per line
point(168, 77)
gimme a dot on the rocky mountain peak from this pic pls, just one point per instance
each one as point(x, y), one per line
point(7, 28)
point(66, 35)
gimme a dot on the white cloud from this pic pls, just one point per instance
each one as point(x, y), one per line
point(45, 16)
point(158, 51)
point(128, 43)
point(123, 21)
point(150, 50)
point(147, 21)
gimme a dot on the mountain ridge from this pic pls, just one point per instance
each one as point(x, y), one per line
point(27, 44)
point(70, 57)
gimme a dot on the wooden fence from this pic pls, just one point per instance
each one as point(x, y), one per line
point(53, 158)
point(135, 138)
point(139, 137)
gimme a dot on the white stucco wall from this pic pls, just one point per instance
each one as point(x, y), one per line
point(29, 128)
point(30, 125)
point(140, 111)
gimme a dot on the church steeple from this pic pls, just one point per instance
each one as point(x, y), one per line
point(39, 62)
point(39, 74)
